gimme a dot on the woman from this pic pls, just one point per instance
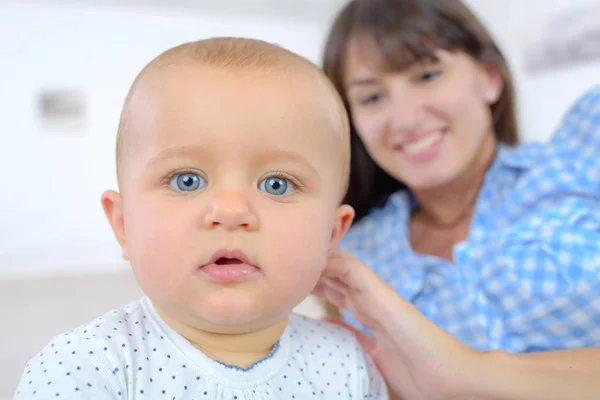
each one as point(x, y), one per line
point(494, 243)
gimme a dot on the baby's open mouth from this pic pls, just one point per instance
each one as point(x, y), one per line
point(229, 267)
point(228, 261)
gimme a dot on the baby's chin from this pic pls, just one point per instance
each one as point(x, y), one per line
point(238, 319)
point(227, 318)
point(231, 312)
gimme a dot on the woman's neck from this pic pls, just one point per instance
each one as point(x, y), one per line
point(237, 349)
point(448, 205)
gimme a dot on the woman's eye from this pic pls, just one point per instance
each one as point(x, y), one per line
point(429, 75)
point(187, 182)
point(374, 98)
point(276, 186)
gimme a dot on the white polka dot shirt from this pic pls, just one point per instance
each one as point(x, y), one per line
point(131, 353)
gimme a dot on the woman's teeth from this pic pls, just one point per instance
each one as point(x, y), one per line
point(422, 144)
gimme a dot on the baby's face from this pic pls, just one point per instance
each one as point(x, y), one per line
point(230, 196)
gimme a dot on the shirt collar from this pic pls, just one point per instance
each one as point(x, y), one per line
point(521, 157)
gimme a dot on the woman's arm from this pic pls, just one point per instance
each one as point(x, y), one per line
point(421, 361)
point(568, 374)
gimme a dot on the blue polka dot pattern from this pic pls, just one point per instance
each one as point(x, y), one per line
point(131, 353)
point(527, 278)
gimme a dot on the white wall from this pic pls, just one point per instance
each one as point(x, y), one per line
point(50, 215)
point(544, 96)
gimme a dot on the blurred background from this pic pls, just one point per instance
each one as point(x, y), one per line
point(65, 68)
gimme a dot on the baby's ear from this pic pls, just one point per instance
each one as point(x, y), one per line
point(113, 208)
point(344, 215)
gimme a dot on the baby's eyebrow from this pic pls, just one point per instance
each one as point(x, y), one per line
point(278, 154)
point(174, 152)
point(267, 154)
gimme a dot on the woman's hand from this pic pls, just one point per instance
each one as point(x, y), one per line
point(421, 361)
point(417, 359)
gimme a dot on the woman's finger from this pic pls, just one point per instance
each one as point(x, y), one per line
point(350, 271)
point(330, 294)
point(336, 284)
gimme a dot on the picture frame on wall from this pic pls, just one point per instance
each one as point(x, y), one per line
point(61, 111)
point(565, 39)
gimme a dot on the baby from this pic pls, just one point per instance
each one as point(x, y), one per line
point(232, 160)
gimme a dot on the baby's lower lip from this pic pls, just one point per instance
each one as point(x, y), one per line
point(229, 273)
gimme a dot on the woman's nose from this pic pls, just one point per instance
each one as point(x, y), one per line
point(406, 113)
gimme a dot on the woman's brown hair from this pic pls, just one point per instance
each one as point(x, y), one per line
point(407, 31)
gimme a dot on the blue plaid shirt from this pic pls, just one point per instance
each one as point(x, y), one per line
point(527, 278)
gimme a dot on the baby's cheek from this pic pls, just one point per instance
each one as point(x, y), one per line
point(155, 255)
point(303, 256)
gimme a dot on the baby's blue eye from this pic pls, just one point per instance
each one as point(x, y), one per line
point(187, 182)
point(276, 186)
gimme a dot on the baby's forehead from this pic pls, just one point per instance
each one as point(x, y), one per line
point(173, 83)
point(222, 96)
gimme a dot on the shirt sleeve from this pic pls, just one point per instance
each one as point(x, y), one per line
point(542, 265)
point(70, 367)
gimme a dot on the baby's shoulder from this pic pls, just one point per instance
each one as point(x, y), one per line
point(121, 323)
point(88, 358)
point(316, 337)
point(111, 336)
point(333, 359)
